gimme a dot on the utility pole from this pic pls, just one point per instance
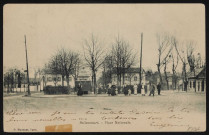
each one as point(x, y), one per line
point(140, 74)
point(27, 68)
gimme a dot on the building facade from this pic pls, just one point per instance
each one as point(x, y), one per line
point(50, 79)
point(131, 77)
point(197, 80)
point(173, 81)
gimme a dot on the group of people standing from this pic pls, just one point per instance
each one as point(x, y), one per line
point(79, 88)
point(112, 91)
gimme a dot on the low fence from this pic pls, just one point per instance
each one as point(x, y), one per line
point(50, 90)
point(23, 89)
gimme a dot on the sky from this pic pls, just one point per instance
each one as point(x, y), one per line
point(50, 26)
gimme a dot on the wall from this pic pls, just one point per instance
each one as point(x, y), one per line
point(198, 85)
point(127, 79)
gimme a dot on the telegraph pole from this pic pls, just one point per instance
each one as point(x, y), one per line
point(140, 74)
point(27, 68)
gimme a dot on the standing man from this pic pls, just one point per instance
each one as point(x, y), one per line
point(152, 89)
point(125, 90)
point(113, 90)
point(80, 92)
point(158, 88)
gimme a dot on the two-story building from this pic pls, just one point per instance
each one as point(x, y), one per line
point(51, 79)
point(131, 76)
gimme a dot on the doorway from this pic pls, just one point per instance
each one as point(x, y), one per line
point(202, 86)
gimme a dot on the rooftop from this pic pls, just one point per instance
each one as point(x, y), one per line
point(129, 70)
point(198, 72)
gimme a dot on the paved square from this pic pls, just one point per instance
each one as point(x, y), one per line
point(171, 111)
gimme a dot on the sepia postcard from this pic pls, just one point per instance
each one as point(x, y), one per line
point(104, 68)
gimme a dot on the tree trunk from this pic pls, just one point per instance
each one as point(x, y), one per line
point(185, 76)
point(110, 75)
point(92, 82)
point(75, 79)
point(158, 68)
point(118, 82)
point(166, 77)
point(8, 88)
point(63, 77)
point(104, 78)
point(95, 83)
point(120, 79)
point(173, 78)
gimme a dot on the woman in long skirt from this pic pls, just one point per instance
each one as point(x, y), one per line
point(143, 90)
point(135, 89)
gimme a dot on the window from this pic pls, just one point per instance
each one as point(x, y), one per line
point(198, 86)
point(59, 78)
point(135, 78)
point(54, 79)
point(194, 84)
point(49, 79)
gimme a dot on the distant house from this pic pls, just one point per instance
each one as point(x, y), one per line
point(171, 80)
point(131, 76)
point(51, 79)
point(197, 80)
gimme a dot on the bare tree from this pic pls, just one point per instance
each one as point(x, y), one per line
point(128, 58)
point(12, 77)
point(76, 68)
point(193, 61)
point(54, 67)
point(93, 54)
point(123, 58)
point(181, 55)
point(164, 50)
point(64, 62)
point(72, 59)
point(165, 63)
point(116, 55)
point(175, 61)
point(107, 69)
point(8, 79)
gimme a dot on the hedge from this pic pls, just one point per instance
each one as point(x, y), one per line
point(56, 90)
